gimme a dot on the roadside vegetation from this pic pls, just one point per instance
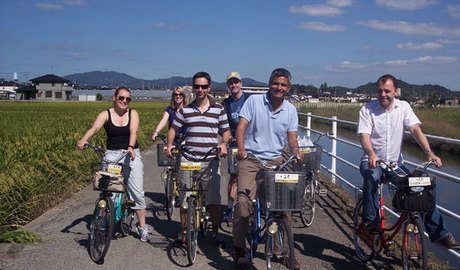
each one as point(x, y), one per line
point(39, 164)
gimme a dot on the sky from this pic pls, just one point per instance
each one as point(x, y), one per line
point(339, 42)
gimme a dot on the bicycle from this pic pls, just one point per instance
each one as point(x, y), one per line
point(312, 162)
point(112, 207)
point(414, 195)
point(278, 194)
point(194, 200)
point(169, 176)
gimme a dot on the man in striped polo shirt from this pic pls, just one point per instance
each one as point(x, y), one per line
point(204, 120)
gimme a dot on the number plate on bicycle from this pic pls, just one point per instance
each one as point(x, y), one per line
point(235, 151)
point(419, 181)
point(190, 166)
point(306, 150)
point(286, 178)
point(114, 168)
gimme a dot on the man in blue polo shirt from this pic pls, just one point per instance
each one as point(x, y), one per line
point(267, 121)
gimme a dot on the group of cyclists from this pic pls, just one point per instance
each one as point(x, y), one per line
point(260, 125)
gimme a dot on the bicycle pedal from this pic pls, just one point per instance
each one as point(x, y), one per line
point(130, 203)
point(322, 192)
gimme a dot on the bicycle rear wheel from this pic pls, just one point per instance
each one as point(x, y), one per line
point(101, 229)
point(413, 248)
point(307, 215)
point(364, 251)
point(169, 195)
point(191, 236)
point(279, 247)
point(126, 222)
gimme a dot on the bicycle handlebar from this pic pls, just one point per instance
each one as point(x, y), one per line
point(276, 167)
point(99, 150)
point(212, 151)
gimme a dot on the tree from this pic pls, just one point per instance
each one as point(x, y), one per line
point(99, 97)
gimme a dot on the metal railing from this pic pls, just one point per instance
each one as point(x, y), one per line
point(334, 158)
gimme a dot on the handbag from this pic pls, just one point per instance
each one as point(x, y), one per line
point(415, 198)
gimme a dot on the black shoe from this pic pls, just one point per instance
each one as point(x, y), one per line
point(448, 242)
point(372, 228)
point(239, 256)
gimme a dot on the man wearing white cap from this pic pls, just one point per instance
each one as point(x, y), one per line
point(232, 106)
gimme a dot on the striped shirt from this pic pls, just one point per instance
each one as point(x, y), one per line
point(201, 129)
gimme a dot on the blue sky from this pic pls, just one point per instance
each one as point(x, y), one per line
point(340, 42)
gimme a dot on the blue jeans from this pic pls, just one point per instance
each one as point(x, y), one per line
point(434, 223)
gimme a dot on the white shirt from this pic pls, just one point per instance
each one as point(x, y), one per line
point(386, 128)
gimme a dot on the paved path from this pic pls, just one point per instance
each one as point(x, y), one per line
point(327, 244)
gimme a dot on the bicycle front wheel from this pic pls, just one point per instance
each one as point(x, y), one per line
point(363, 246)
point(279, 247)
point(191, 236)
point(169, 195)
point(309, 204)
point(101, 229)
point(413, 248)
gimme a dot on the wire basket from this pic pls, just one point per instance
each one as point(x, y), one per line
point(162, 159)
point(312, 159)
point(281, 191)
point(233, 167)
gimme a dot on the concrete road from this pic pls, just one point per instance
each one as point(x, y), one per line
point(327, 244)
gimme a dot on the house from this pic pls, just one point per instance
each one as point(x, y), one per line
point(52, 87)
point(8, 90)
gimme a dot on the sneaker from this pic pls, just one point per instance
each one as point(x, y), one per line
point(143, 233)
point(228, 216)
point(372, 228)
point(448, 242)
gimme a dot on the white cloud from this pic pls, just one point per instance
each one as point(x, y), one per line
point(340, 3)
point(48, 6)
point(423, 61)
point(406, 4)
point(347, 66)
point(454, 11)
point(322, 27)
point(420, 47)
point(422, 29)
point(163, 25)
point(315, 10)
point(75, 2)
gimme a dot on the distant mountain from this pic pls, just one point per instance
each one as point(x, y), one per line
point(112, 79)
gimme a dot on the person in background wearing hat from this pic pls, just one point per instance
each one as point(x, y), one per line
point(232, 105)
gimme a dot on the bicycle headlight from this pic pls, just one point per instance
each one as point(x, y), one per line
point(273, 228)
point(102, 204)
point(184, 205)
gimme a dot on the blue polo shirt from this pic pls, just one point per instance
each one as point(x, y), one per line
point(267, 131)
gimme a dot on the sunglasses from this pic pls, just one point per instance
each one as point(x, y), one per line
point(177, 94)
point(122, 98)
point(202, 86)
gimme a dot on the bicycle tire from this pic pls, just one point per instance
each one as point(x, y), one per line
point(191, 236)
point(307, 214)
point(127, 219)
point(363, 251)
point(169, 195)
point(413, 248)
point(101, 229)
point(283, 241)
point(251, 235)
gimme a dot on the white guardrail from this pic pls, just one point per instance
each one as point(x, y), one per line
point(334, 158)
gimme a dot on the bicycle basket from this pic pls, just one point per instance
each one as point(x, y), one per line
point(106, 181)
point(311, 160)
point(415, 194)
point(281, 191)
point(232, 160)
point(162, 159)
